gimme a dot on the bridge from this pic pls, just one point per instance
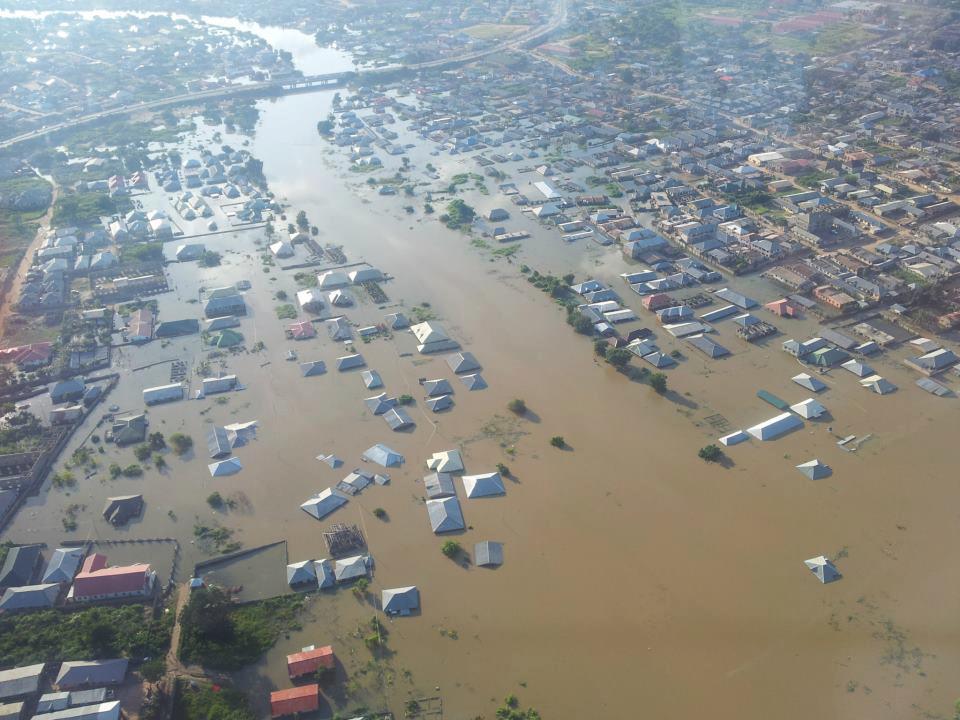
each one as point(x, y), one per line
point(297, 85)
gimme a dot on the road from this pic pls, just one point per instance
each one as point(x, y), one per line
point(558, 18)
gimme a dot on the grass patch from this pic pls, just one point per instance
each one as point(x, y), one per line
point(493, 31)
point(88, 634)
point(221, 635)
point(202, 702)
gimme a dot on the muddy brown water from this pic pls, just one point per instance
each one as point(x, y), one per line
point(637, 578)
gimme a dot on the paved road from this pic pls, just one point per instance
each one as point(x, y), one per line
point(559, 18)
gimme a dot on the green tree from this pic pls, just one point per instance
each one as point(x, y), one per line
point(658, 381)
point(517, 406)
point(619, 358)
point(710, 453)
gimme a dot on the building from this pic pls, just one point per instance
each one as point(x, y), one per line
point(163, 393)
point(96, 581)
point(224, 301)
point(20, 566)
point(309, 660)
point(75, 675)
point(20, 682)
point(293, 701)
point(400, 601)
point(834, 298)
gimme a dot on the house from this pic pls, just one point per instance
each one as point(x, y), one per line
point(823, 568)
point(431, 337)
point(67, 390)
point(20, 682)
point(383, 456)
point(815, 470)
point(302, 330)
point(488, 554)
point(351, 568)
point(63, 565)
point(463, 362)
point(30, 597)
point(224, 468)
point(108, 710)
point(447, 461)
point(176, 328)
point(324, 503)
point(12, 711)
point(122, 509)
point(445, 515)
point(310, 299)
point(834, 298)
point(296, 700)
point(96, 581)
point(776, 426)
point(224, 301)
point(128, 430)
point(808, 409)
point(439, 485)
point(400, 601)
point(484, 485)
point(20, 566)
point(91, 673)
point(301, 573)
point(163, 393)
point(309, 660)
point(140, 326)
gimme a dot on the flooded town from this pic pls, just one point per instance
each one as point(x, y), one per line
point(501, 359)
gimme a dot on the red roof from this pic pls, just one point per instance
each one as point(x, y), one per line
point(294, 700)
point(95, 578)
point(302, 330)
point(39, 352)
point(309, 661)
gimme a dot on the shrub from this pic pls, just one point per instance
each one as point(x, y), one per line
point(558, 442)
point(210, 258)
point(181, 443)
point(517, 406)
point(710, 453)
point(405, 400)
point(658, 381)
point(115, 471)
point(156, 441)
point(451, 548)
point(215, 500)
point(133, 470)
point(619, 358)
point(582, 324)
point(600, 348)
point(379, 513)
point(154, 669)
point(142, 452)
point(503, 470)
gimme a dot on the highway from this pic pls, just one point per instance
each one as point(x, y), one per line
point(306, 84)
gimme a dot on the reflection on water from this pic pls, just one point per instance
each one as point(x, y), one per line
point(308, 57)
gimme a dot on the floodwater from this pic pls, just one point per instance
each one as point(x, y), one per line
point(638, 580)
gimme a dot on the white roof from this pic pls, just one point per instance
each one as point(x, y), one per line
point(809, 382)
point(734, 438)
point(823, 568)
point(351, 567)
point(879, 385)
point(448, 461)
point(484, 485)
point(445, 515)
point(324, 503)
point(230, 466)
point(808, 409)
point(332, 279)
point(427, 332)
point(775, 427)
point(814, 469)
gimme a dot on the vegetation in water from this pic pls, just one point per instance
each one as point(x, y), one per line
point(451, 548)
point(518, 406)
point(220, 635)
point(134, 631)
point(710, 453)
